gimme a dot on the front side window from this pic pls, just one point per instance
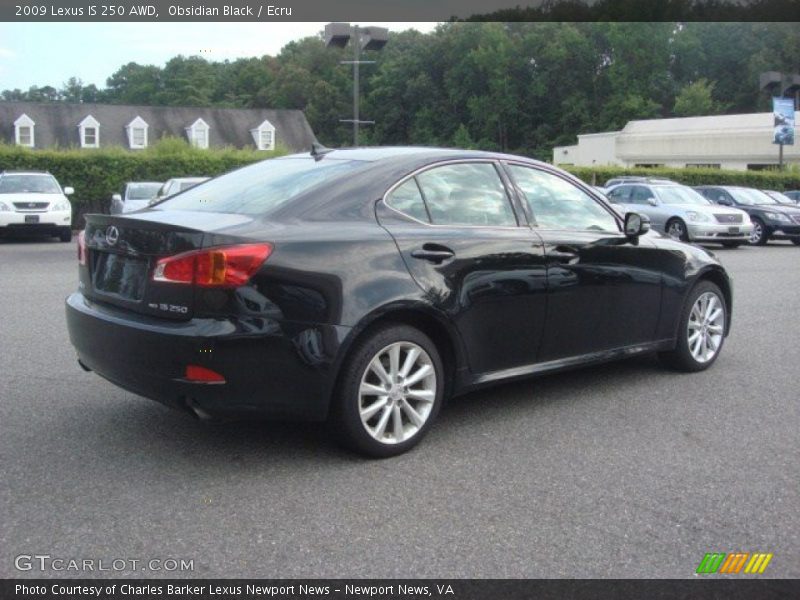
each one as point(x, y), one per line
point(259, 188)
point(620, 195)
point(466, 194)
point(558, 204)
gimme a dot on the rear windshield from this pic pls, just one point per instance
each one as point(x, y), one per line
point(259, 188)
point(29, 184)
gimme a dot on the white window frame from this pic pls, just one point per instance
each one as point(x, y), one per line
point(89, 122)
point(138, 124)
point(192, 131)
point(24, 121)
point(257, 133)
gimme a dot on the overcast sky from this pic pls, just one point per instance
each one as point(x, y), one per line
point(50, 53)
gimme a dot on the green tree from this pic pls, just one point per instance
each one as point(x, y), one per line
point(697, 99)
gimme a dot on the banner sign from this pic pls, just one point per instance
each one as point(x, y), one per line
point(783, 111)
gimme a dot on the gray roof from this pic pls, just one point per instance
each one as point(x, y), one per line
point(57, 123)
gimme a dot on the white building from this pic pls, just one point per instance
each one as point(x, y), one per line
point(737, 142)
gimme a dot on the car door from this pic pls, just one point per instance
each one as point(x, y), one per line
point(459, 234)
point(604, 290)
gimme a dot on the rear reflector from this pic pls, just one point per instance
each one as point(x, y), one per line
point(203, 375)
point(227, 266)
point(82, 248)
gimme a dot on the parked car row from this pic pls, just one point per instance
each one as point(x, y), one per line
point(727, 215)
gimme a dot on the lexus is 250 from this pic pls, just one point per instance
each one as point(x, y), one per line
point(366, 286)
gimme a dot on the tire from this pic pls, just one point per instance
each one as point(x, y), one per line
point(796, 241)
point(731, 244)
point(676, 229)
point(682, 358)
point(377, 432)
point(65, 235)
point(759, 237)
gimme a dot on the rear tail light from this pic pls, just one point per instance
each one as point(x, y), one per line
point(228, 266)
point(82, 248)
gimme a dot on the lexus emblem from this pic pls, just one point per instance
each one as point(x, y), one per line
point(112, 235)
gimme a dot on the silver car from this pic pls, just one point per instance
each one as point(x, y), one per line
point(683, 214)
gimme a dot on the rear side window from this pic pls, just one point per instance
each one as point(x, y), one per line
point(466, 194)
point(620, 194)
point(407, 199)
point(259, 188)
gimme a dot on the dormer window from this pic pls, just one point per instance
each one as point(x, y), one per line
point(23, 131)
point(137, 133)
point(198, 134)
point(264, 136)
point(90, 132)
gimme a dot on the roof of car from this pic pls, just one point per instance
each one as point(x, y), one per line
point(375, 153)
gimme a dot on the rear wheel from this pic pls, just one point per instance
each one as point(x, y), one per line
point(701, 331)
point(796, 241)
point(676, 229)
point(389, 393)
point(65, 235)
point(758, 237)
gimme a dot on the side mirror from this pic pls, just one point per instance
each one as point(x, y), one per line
point(636, 224)
point(68, 191)
point(652, 202)
point(116, 197)
point(724, 201)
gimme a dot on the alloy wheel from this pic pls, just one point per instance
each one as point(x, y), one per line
point(397, 392)
point(757, 233)
point(706, 327)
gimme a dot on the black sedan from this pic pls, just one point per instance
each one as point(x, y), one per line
point(365, 286)
point(771, 219)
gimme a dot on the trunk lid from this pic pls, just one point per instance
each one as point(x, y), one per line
point(122, 252)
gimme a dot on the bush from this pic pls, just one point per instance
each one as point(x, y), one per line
point(97, 174)
point(765, 180)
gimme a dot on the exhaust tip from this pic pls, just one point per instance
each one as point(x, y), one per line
point(197, 411)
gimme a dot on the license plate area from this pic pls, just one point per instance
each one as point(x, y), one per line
point(121, 276)
point(31, 218)
point(733, 230)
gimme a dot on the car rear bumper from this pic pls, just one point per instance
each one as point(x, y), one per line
point(718, 232)
point(273, 369)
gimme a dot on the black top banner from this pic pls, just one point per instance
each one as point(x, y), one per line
point(398, 10)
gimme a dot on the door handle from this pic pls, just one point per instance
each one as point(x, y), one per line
point(433, 253)
point(564, 254)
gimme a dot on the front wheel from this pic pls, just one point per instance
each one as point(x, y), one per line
point(676, 229)
point(390, 392)
point(796, 241)
point(759, 236)
point(701, 330)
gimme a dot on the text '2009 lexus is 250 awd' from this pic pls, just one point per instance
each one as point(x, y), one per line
point(365, 286)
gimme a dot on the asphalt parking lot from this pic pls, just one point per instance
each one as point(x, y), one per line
point(624, 470)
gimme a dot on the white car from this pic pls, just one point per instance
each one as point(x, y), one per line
point(33, 202)
point(136, 195)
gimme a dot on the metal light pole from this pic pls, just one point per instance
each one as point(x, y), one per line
point(364, 38)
